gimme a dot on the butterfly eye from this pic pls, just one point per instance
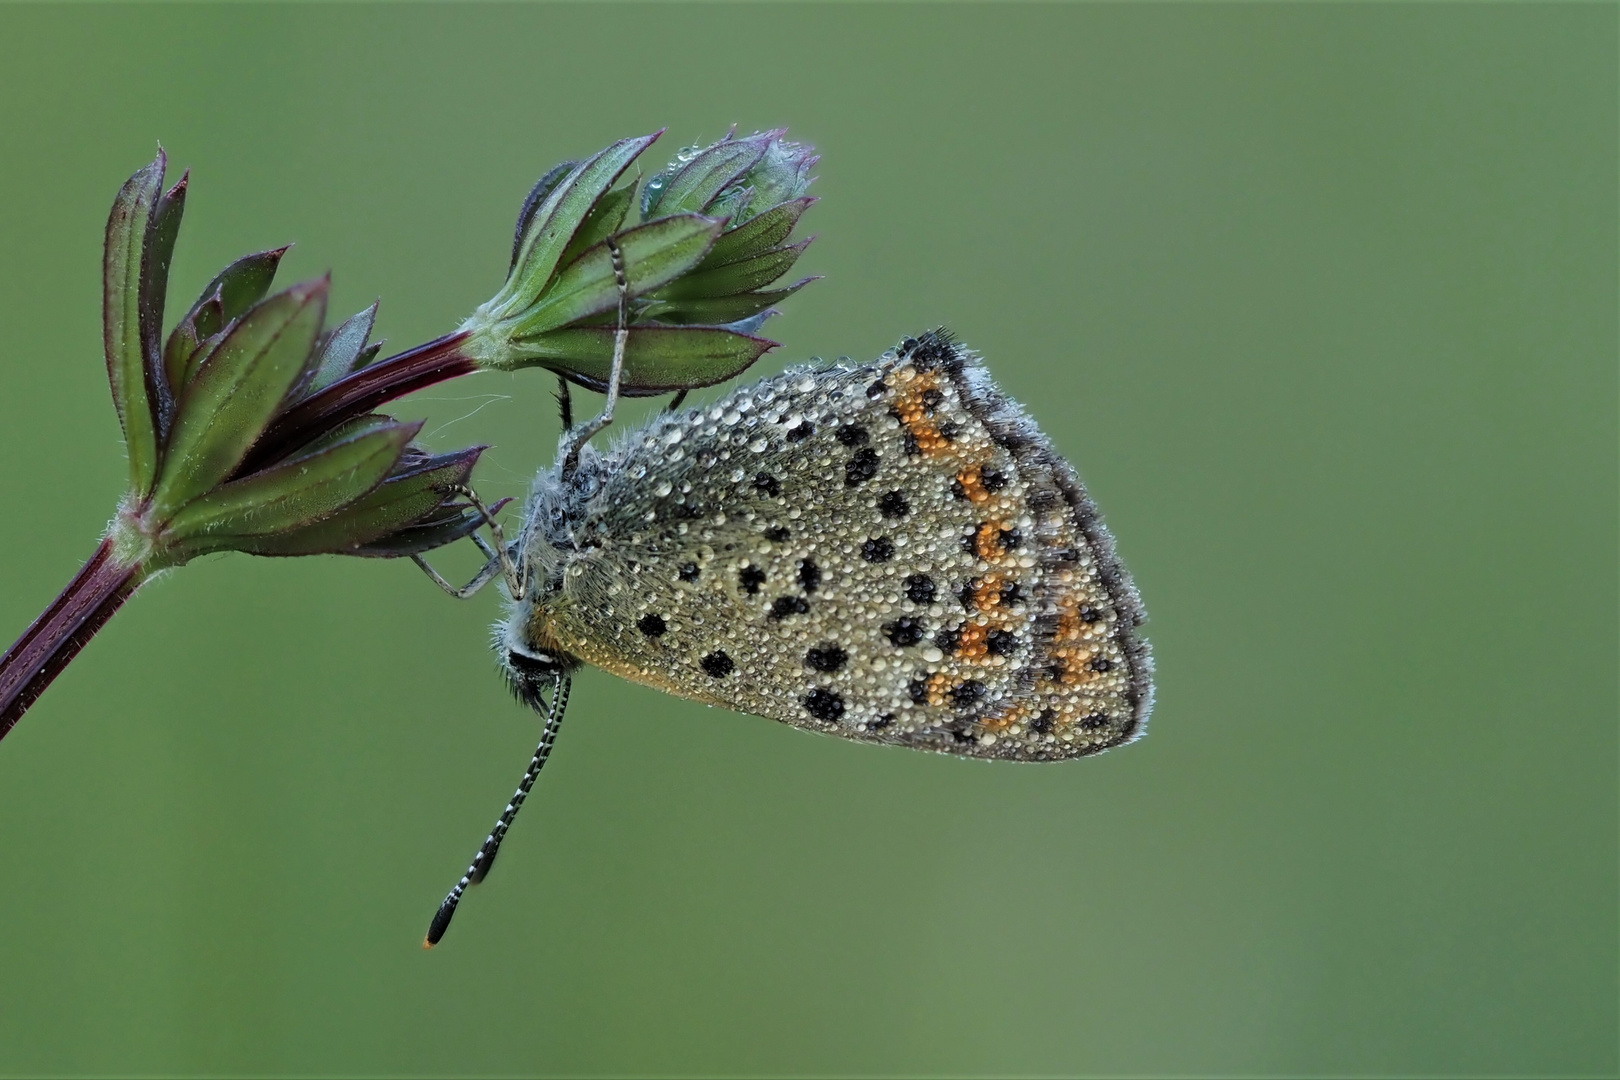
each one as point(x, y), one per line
point(533, 663)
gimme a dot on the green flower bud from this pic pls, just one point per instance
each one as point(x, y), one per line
point(714, 232)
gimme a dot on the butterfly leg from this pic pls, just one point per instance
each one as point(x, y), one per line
point(675, 402)
point(499, 556)
point(492, 844)
point(621, 336)
point(565, 403)
point(483, 577)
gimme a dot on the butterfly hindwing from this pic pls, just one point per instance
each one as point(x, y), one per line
point(891, 553)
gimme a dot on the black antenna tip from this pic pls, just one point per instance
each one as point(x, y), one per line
point(440, 923)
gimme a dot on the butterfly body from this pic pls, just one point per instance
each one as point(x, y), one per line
point(890, 552)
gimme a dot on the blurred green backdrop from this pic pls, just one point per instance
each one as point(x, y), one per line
point(1321, 299)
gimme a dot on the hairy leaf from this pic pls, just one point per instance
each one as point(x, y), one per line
point(162, 230)
point(236, 289)
point(605, 219)
point(654, 255)
point(719, 310)
point(121, 318)
point(237, 390)
point(737, 277)
point(756, 235)
point(657, 359)
point(697, 183)
point(554, 222)
point(531, 202)
point(405, 502)
point(341, 351)
point(295, 493)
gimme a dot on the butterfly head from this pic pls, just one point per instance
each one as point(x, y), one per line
point(529, 666)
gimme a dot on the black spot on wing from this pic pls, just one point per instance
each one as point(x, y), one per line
point(783, 606)
point(861, 467)
point(920, 589)
point(823, 704)
point(905, 631)
point(878, 549)
point(1001, 643)
point(966, 693)
point(826, 657)
point(894, 505)
point(718, 664)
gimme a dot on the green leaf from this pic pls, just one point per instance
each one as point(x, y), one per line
point(719, 310)
point(706, 175)
point(409, 502)
point(237, 390)
point(358, 425)
point(657, 359)
point(784, 173)
point(342, 348)
point(245, 282)
point(558, 218)
point(654, 255)
point(605, 219)
point(122, 260)
point(295, 493)
point(756, 235)
point(236, 288)
point(182, 343)
point(531, 202)
point(190, 362)
point(162, 230)
point(460, 522)
point(368, 354)
point(737, 277)
point(731, 204)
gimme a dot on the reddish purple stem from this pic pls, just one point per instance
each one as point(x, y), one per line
point(56, 637)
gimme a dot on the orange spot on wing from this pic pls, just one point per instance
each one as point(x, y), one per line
point(971, 479)
point(938, 683)
point(989, 542)
point(1004, 719)
point(973, 645)
point(987, 591)
point(914, 413)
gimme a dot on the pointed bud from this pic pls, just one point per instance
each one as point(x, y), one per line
point(717, 225)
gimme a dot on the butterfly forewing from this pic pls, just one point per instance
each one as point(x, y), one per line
point(891, 553)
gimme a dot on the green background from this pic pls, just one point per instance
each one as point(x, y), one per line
point(1322, 301)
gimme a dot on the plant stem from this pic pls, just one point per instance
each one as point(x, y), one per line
point(55, 638)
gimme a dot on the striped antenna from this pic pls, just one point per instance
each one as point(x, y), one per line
point(486, 854)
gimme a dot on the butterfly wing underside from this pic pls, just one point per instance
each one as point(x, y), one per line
point(891, 553)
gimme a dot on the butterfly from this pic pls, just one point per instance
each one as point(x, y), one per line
point(888, 552)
